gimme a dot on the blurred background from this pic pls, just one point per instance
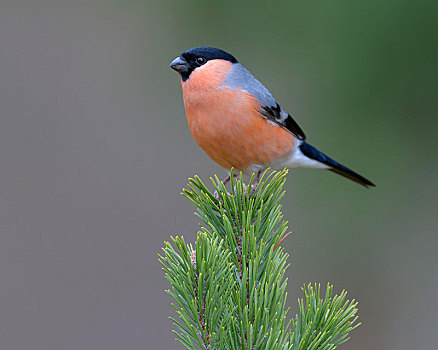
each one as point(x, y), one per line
point(94, 151)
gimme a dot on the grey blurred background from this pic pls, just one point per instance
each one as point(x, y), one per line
point(94, 151)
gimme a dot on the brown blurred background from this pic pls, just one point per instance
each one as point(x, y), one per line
point(94, 150)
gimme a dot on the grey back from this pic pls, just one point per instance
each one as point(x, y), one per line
point(240, 77)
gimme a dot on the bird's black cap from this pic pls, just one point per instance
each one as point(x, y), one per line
point(210, 53)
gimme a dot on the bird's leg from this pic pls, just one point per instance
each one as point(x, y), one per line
point(255, 183)
point(224, 181)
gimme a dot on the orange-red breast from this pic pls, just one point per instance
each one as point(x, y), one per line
point(237, 121)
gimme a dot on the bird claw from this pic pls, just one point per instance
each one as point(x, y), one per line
point(216, 194)
point(253, 185)
point(252, 190)
point(218, 197)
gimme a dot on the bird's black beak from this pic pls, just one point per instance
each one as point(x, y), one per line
point(180, 65)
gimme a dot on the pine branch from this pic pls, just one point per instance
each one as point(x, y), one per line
point(230, 291)
point(323, 323)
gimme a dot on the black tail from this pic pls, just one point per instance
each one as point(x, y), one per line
point(313, 153)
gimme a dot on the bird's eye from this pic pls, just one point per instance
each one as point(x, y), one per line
point(201, 60)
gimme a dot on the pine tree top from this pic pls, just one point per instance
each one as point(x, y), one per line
point(230, 290)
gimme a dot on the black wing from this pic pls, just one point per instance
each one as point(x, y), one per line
point(281, 117)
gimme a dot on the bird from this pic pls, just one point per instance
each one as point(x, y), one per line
point(239, 124)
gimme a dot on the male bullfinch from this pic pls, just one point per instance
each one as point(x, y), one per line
point(238, 122)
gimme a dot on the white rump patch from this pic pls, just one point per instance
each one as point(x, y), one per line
point(298, 160)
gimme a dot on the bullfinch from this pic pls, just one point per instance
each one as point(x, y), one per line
point(238, 123)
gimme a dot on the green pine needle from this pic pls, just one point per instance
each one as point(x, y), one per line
point(230, 290)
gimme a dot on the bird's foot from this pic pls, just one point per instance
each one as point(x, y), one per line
point(216, 194)
point(252, 190)
point(255, 184)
